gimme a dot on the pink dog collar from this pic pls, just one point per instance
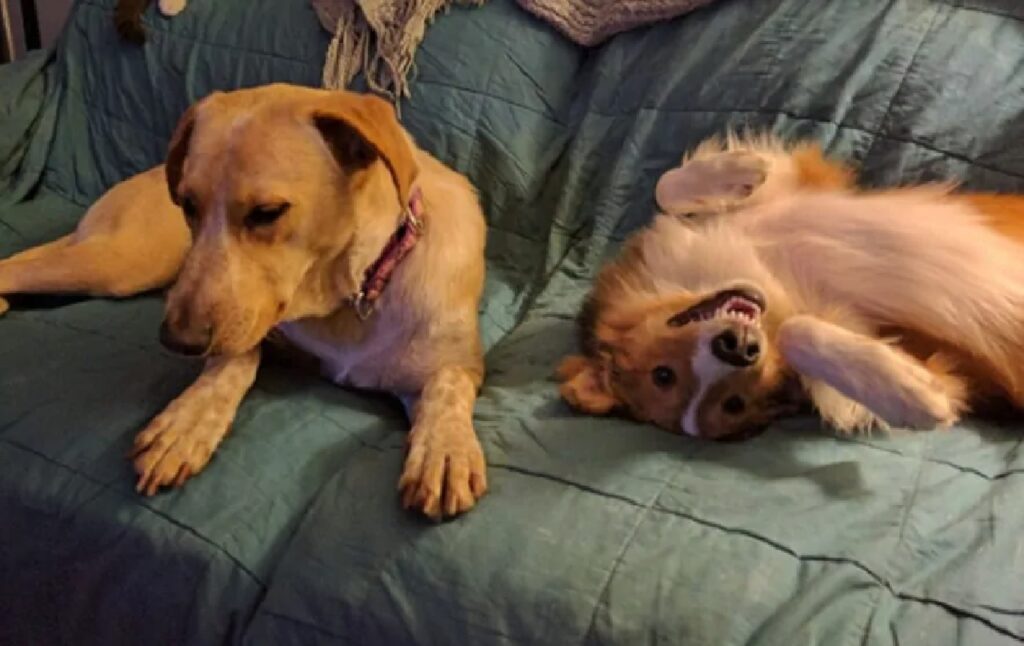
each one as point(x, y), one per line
point(398, 246)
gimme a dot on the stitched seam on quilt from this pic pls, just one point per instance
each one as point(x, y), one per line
point(959, 467)
point(196, 41)
point(141, 505)
point(599, 600)
point(908, 503)
point(988, 12)
point(903, 81)
point(86, 201)
point(879, 134)
point(38, 318)
point(9, 227)
point(876, 599)
point(780, 547)
point(303, 623)
point(490, 95)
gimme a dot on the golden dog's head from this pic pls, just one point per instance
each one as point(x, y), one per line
point(701, 364)
point(276, 182)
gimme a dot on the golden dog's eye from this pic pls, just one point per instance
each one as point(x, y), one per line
point(734, 405)
point(663, 376)
point(188, 206)
point(267, 214)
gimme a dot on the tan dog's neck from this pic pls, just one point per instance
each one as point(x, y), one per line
point(330, 283)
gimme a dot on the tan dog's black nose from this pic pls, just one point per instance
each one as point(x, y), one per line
point(740, 348)
point(191, 341)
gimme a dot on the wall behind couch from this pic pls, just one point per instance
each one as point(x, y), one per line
point(52, 16)
point(27, 24)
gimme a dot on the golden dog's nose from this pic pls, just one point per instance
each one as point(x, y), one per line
point(190, 341)
point(740, 348)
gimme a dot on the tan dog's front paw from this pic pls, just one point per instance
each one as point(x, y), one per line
point(180, 441)
point(713, 183)
point(445, 472)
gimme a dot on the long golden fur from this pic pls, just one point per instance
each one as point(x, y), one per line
point(771, 282)
point(289, 195)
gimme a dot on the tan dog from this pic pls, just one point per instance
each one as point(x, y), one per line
point(787, 285)
point(302, 203)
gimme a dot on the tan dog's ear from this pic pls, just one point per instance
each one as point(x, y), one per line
point(585, 386)
point(359, 127)
point(177, 150)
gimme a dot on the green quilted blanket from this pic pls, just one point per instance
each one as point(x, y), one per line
point(596, 531)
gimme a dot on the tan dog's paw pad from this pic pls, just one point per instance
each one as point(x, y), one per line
point(177, 444)
point(445, 472)
point(714, 182)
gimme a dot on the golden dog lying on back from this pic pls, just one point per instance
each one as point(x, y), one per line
point(787, 285)
point(314, 212)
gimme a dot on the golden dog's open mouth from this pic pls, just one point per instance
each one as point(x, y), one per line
point(745, 304)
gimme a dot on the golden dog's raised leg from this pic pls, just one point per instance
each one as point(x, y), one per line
point(899, 389)
point(712, 182)
point(444, 472)
point(179, 442)
point(726, 175)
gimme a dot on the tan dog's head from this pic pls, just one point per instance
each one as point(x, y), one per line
point(275, 183)
point(702, 364)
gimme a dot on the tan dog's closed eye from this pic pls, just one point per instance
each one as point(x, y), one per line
point(312, 212)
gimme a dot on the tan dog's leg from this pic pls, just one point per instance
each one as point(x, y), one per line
point(179, 442)
point(131, 240)
point(34, 252)
point(30, 254)
point(444, 472)
point(11, 275)
point(98, 266)
point(897, 388)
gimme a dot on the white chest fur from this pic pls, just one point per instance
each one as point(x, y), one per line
point(365, 354)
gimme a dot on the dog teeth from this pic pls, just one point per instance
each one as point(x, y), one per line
point(742, 317)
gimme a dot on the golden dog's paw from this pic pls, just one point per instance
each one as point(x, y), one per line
point(445, 472)
point(711, 183)
point(180, 441)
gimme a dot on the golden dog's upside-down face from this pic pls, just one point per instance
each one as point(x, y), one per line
point(275, 183)
point(700, 364)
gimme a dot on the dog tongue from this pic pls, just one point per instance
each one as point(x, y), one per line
point(741, 306)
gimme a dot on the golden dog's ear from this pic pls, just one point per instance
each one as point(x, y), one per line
point(631, 312)
point(585, 385)
point(177, 150)
point(361, 127)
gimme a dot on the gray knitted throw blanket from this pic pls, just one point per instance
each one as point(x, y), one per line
point(380, 37)
point(591, 22)
point(376, 37)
